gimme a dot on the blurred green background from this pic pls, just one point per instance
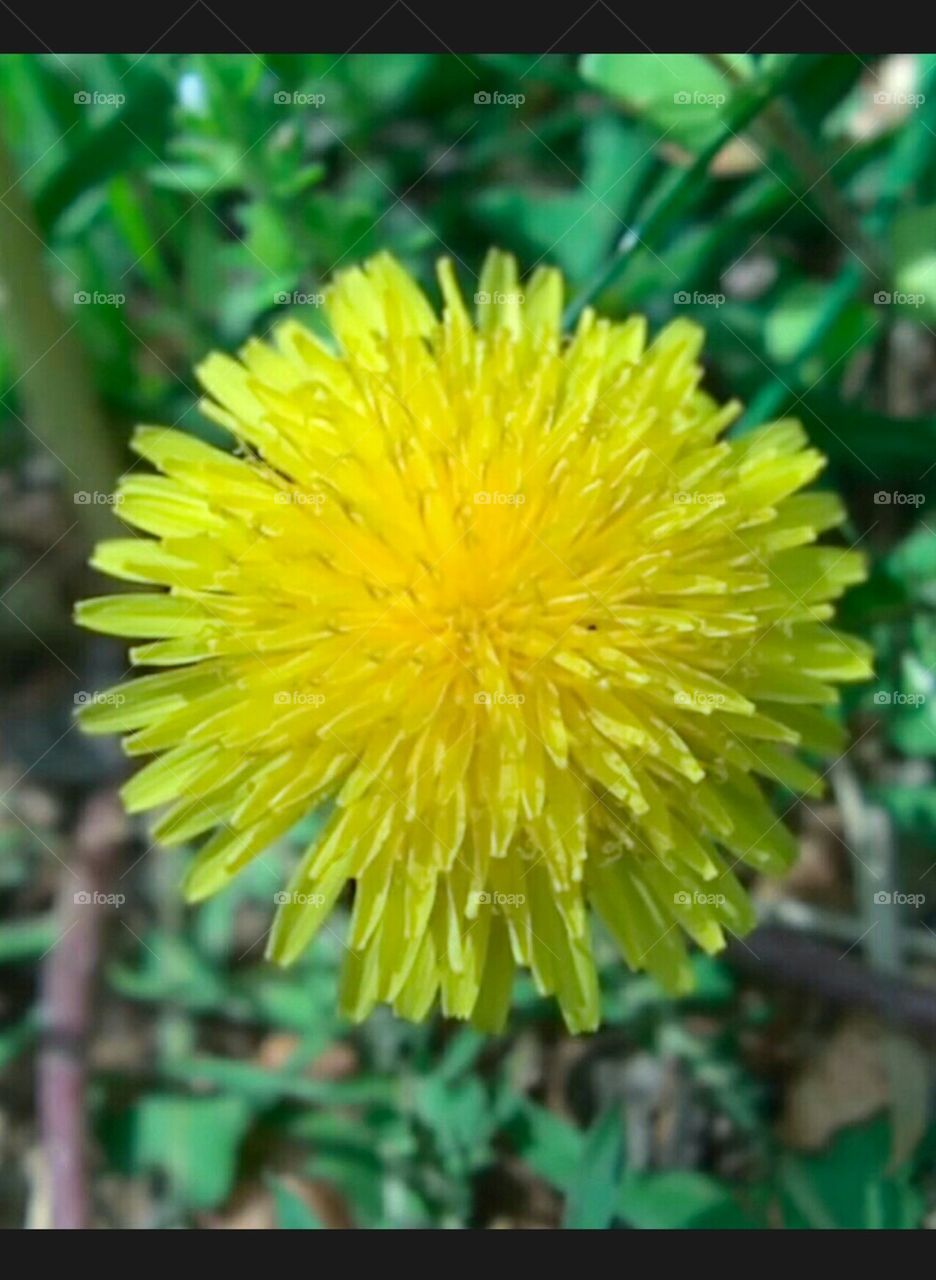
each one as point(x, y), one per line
point(154, 208)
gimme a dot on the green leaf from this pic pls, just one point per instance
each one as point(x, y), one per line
point(548, 1144)
point(171, 969)
point(574, 228)
point(26, 939)
point(914, 250)
point(17, 1038)
point(680, 94)
point(912, 724)
point(678, 1201)
point(461, 1053)
point(914, 562)
point(794, 317)
point(270, 239)
point(292, 1212)
point(849, 1186)
point(593, 1194)
point(912, 808)
point(872, 446)
point(459, 1117)
point(262, 1087)
point(193, 1142)
point(126, 141)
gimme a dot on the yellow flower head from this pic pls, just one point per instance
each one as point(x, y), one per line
point(507, 610)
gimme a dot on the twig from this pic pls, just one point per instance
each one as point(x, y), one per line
point(916, 941)
point(793, 959)
point(67, 991)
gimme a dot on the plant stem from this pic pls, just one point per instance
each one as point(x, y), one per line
point(67, 1007)
point(909, 160)
point(753, 98)
point(793, 959)
point(779, 124)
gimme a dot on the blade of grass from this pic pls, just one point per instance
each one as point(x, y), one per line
point(686, 185)
point(910, 158)
point(778, 125)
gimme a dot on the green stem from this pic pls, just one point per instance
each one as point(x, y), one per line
point(778, 124)
point(769, 401)
point(746, 105)
point(909, 159)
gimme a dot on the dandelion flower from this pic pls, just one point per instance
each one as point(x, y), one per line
point(507, 610)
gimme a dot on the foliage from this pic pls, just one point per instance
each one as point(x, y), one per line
point(203, 207)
